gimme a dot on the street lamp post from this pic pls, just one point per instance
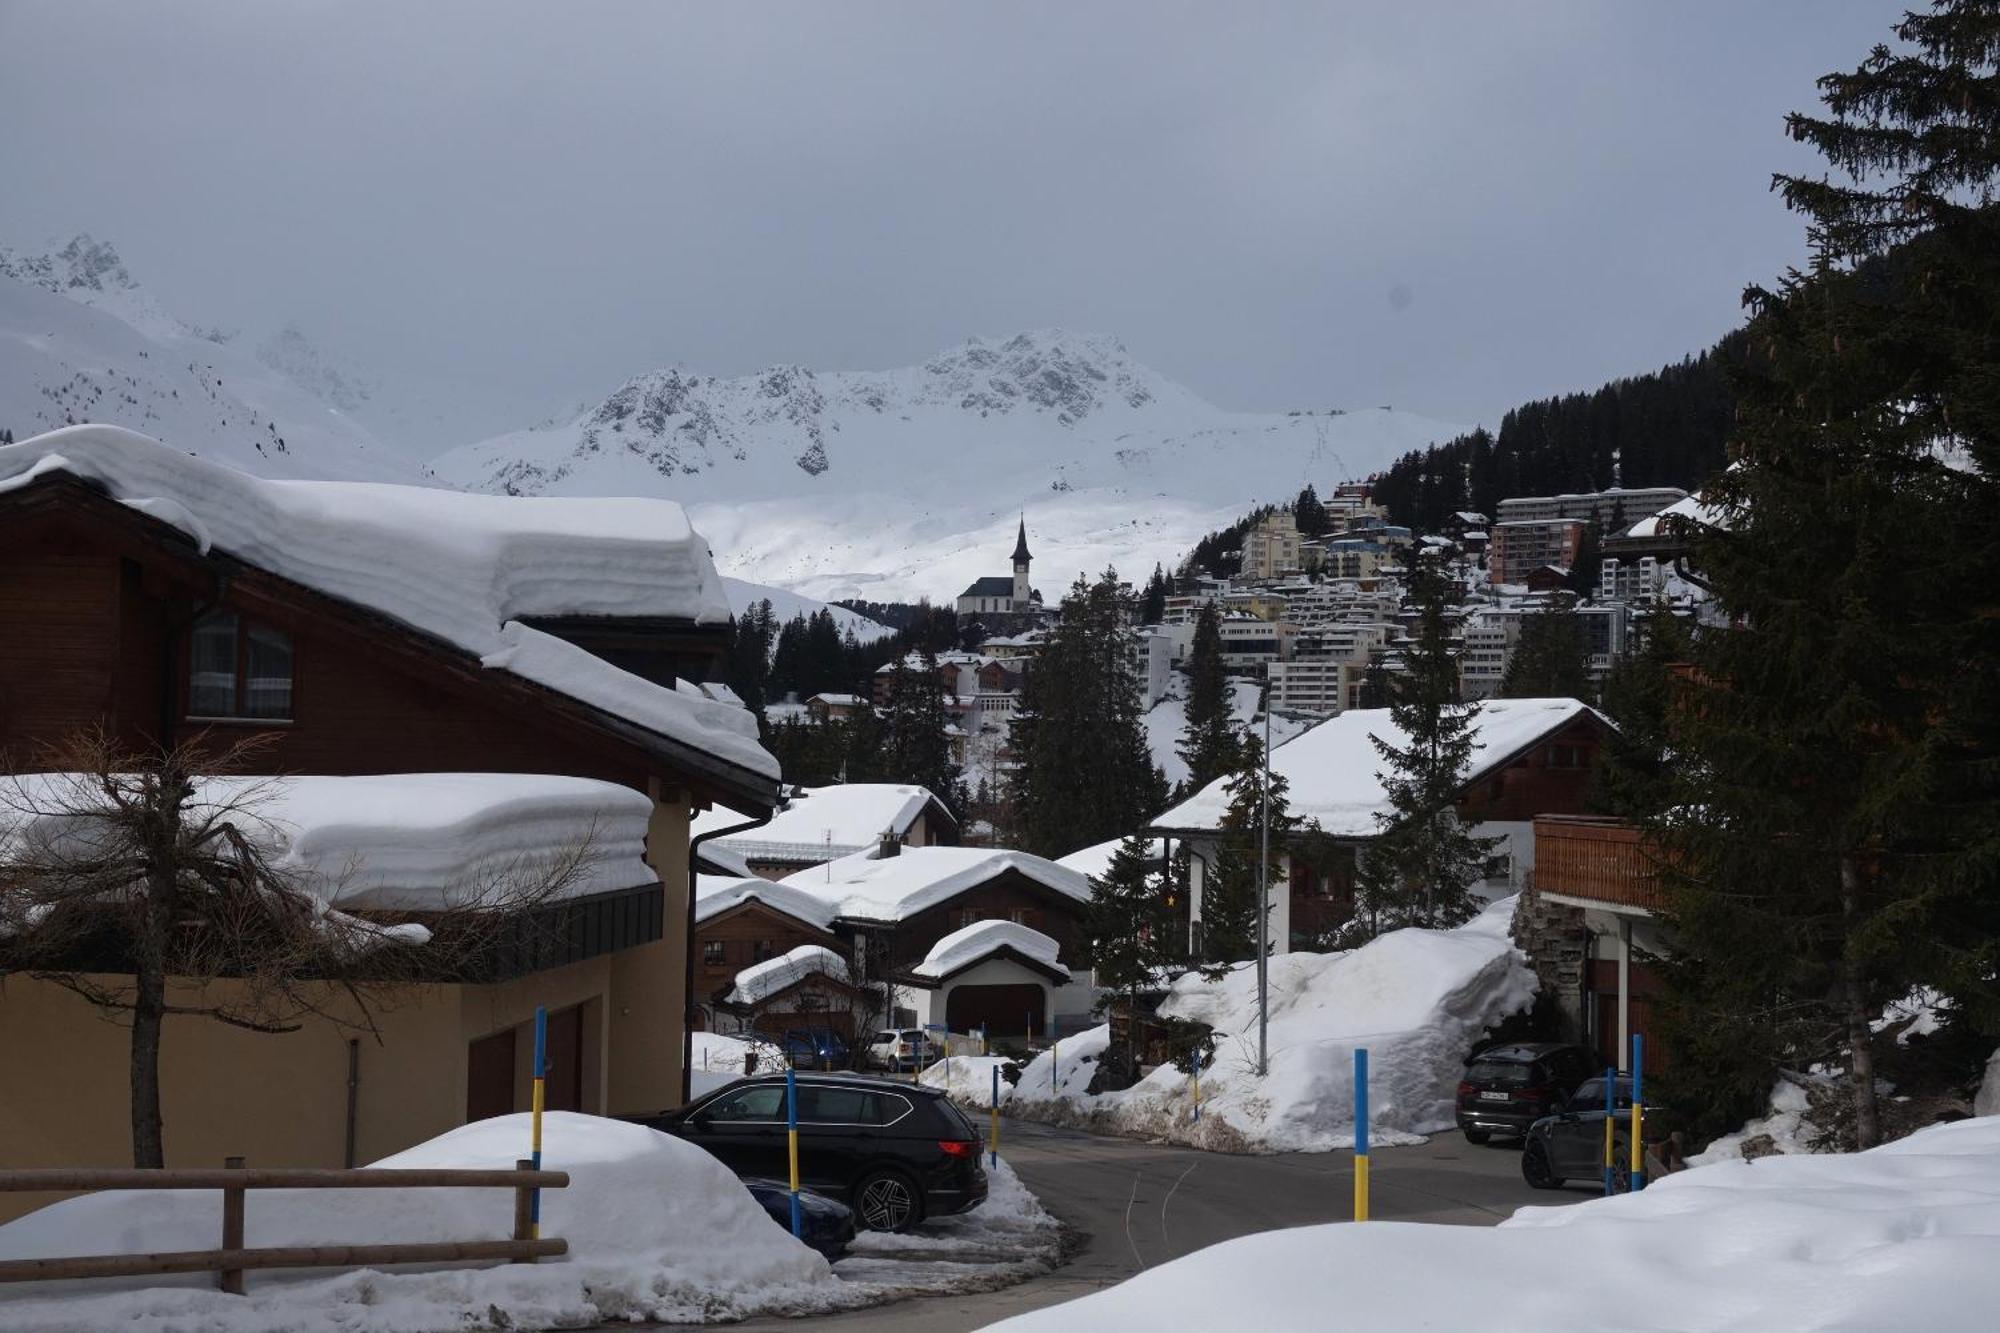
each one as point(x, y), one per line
point(1264, 897)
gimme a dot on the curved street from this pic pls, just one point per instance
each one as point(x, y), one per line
point(1133, 1205)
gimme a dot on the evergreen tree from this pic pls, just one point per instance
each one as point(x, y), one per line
point(1208, 737)
point(1424, 863)
point(1551, 659)
point(1634, 768)
point(1229, 893)
point(1130, 927)
point(914, 745)
point(1835, 835)
point(1589, 563)
point(1084, 774)
point(747, 667)
point(1310, 515)
point(1153, 605)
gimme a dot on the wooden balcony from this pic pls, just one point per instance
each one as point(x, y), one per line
point(1596, 862)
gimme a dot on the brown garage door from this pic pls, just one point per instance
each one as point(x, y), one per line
point(1004, 1011)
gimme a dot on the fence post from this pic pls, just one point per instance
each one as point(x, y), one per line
point(792, 1142)
point(523, 1225)
point(1638, 1167)
point(993, 1148)
point(539, 1092)
point(1361, 1133)
point(232, 1228)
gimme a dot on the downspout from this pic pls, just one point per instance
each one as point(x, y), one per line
point(687, 1000)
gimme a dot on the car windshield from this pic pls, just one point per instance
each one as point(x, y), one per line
point(913, 1035)
point(1499, 1073)
point(1591, 1095)
point(881, 1037)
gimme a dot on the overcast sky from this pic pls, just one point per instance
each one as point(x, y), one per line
point(1449, 207)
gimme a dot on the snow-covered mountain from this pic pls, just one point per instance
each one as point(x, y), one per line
point(903, 483)
point(81, 340)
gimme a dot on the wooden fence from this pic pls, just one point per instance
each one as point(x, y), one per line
point(233, 1259)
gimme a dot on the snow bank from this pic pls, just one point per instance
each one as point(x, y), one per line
point(968, 944)
point(1787, 1124)
point(1334, 769)
point(968, 1079)
point(719, 1060)
point(657, 1229)
point(1417, 999)
point(1004, 1240)
point(760, 981)
point(463, 568)
point(1901, 1237)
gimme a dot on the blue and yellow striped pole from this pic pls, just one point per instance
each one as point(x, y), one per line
point(993, 1144)
point(1361, 1133)
point(535, 1135)
point(1638, 1115)
point(1610, 1126)
point(792, 1140)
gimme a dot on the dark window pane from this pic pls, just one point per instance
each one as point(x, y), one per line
point(212, 658)
point(268, 691)
point(766, 1103)
point(836, 1106)
point(1498, 1074)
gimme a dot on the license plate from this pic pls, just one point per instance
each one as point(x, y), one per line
point(1493, 1097)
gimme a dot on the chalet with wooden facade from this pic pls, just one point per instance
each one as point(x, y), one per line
point(1532, 757)
point(741, 923)
point(822, 824)
point(371, 630)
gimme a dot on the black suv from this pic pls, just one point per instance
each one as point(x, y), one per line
point(894, 1152)
point(1569, 1145)
point(1508, 1088)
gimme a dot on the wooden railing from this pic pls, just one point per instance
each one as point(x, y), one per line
point(1601, 860)
point(232, 1259)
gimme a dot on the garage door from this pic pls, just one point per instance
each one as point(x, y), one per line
point(1003, 1011)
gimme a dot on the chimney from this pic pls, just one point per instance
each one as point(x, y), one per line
point(890, 846)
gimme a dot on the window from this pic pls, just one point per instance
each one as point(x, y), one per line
point(836, 1106)
point(238, 669)
point(1565, 756)
point(711, 952)
point(765, 1103)
point(760, 951)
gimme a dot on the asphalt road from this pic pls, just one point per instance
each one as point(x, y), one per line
point(1134, 1205)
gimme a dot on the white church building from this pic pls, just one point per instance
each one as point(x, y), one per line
point(999, 594)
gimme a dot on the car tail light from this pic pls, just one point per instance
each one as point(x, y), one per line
point(1466, 1089)
point(958, 1148)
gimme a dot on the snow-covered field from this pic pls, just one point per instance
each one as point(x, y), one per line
point(658, 1231)
point(1902, 1237)
point(1417, 999)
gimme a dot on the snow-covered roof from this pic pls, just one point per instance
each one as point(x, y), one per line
point(1333, 770)
point(1693, 509)
point(760, 981)
point(823, 823)
point(898, 887)
point(461, 567)
point(1094, 861)
point(982, 939)
point(716, 894)
point(407, 841)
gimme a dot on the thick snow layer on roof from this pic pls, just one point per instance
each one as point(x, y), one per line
point(657, 1230)
point(1900, 1237)
point(822, 823)
point(716, 894)
point(1333, 770)
point(1690, 510)
point(760, 981)
point(898, 887)
point(1093, 862)
point(458, 566)
point(1417, 999)
point(410, 841)
point(967, 945)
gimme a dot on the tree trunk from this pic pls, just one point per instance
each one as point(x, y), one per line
point(148, 1015)
point(1856, 1014)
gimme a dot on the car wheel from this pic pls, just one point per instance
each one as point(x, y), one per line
point(1536, 1168)
point(1621, 1168)
point(1478, 1136)
point(887, 1201)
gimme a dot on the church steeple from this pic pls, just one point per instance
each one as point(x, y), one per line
point(1023, 591)
point(1021, 556)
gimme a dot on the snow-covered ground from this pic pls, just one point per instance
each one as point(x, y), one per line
point(719, 1060)
point(1902, 1237)
point(968, 1079)
point(1417, 999)
point(1005, 1239)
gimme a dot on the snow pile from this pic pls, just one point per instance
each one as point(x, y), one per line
point(1007, 1238)
point(716, 894)
point(719, 1059)
point(898, 887)
point(967, 945)
point(462, 568)
point(968, 1079)
point(657, 1229)
point(1987, 1100)
point(1334, 769)
point(760, 981)
point(1901, 1237)
point(1417, 999)
point(1787, 1125)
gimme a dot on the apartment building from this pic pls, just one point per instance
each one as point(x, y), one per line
point(1271, 547)
point(1518, 546)
point(1610, 510)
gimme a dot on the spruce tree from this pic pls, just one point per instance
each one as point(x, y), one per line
point(1208, 736)
point(1834, 837)
point(1130, 928)
point(1551, 658)
point(1229, 896)
point(1310, 515)
point(915, 746)
point(1424, 863)
point(1084, 774)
